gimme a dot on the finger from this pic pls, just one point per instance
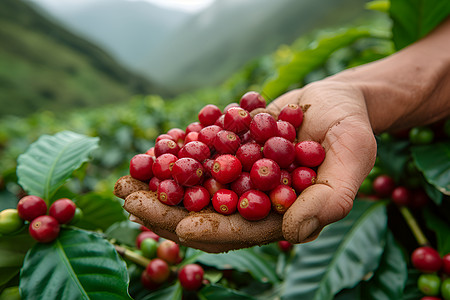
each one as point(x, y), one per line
point(218, 232)
point(155, 215)
point(347, 163)
point(127, 185)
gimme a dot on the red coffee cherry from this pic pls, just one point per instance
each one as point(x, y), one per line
point(286, 130)
point(293, 114)
point(226, 168)
point(141, 166)
point(232, 104)
point(225, 201)
point(383, 185)
point(242, 184)
point(148, 234)
point(162, 167)
point(254, 205)
point(169, 251)
point(209, 114)
point(248, 154)
point(237, 120)
point(213, 186)
point(190, 137)
point(44, 229)
point(220, 121)
point(309, 153)
point(147, 283)
point(279, 150)
point(226, 142)
point(170, 192)
point(196, 198)
point(154, 184)
point(208, 134)
point(188, 172)
point(446, 264)
point(196, 150)
point(151, 152)
point(252, 100)
point(265, 174)
point(177, 134)
point(158, 270)
point(286, 178)
point(166, 146)
point(31, 207)
point(285, 246)
point(302, 178)
point(282, 197)
point(194, 127)
point(191, 277)
point(401, 196)
point(263, 127)
point(164, 136)
point(426, 260)
point(63, 210)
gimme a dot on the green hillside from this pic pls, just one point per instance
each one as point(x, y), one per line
point(45, 67)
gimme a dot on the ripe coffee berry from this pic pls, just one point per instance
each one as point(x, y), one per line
point(31, 207)
point(191, 277)
point(170, 192)
point(141, 166)
point(209, 114)
point(164, 136)
point(162, 167)
point(383, 185)
point(282, 198)
point(248, 154)
point(196, 150)
point(220, 121)
point(187, 172)
point(190, 137)
point(426, 259)
point(302, 178)
point(226, 168)
point(153, 184)
point(309, 153)
point(177, 134)
point(237, 120)
point(225, 201)
point(196, 198)
point(44, 229)
point(265, 174)
point(232, 104)
point(63, 210)
point(168, 251)
point(293, 114)
point(166, 146)
point(158, 270)
point(151, 152)
point(286, 130)
point(286, 178)
point(254, 205)
point(263, 127)
point(213, 186)
point(401, 196)
point(208, 134)
point(147, 283)
point(279, 150)
point(285, 246)
point(148, 234)
point(242, 184)
point(252, 100)
point(226, 142)
point(446, 264)
point(194, 127)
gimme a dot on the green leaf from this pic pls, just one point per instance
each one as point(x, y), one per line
point(343, 254)
point(99, 211)
point(245, 260)
point(434, 162)
point(441, 229)
point(77, 265)
point(219, 292)
point(173, 292)
point(390, 278)
point(413, 19)
point(393, 156)
point(12, 252)
point(379, 5)
point(303, 62)
point(50, 161)
point(124, 232)
point(411, 291)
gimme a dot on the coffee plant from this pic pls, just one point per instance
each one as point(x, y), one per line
point(64, 235)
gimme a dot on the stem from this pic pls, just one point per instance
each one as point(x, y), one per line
point(412, 224)
point(132, 256)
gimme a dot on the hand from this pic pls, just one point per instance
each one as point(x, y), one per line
point(337, 118)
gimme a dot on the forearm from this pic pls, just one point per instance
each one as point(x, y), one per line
point(408, 88)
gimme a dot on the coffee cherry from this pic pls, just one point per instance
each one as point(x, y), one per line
point(237, 120)
point(208, 165)
point(286, 178)
point(164, 136)
point(141, 166)
point(63, 210)
point(242, 184)
point(168, 251)
point(254, 205)
point(429, 284)
point(309, 153)
point(170, 192)
point(265, 174)
point(187, 172)
point(154, 184)
point(190, 137)
point(226, 168)
point(383, 185)
point(44, 229)
point(213, 186)
point(177, 134)
point(31, 207)
point(285, 246)
point(279, 150)
point(166, 146)
point(426, 259)
point(148, 234)
point(421, 135)
point(302, 178)
point(446, 264)
point(220, 121)
point(226, 142)
point(148, 247)
point(282, 198)
point(225, 201)
point(196, 150)
point(401, 196)
point(191, 277)
point(445, 289)
point(196, 198)
point(252, 100)
point(286, 130)
point(208, 134)
point(230, 105)
point(151, 152)
point(209, 114)
point(162, 167)
point(248, 154)
point(10, 221)
point(263, 127)
point(293, 114)
point(147, 283)
point(158, 270)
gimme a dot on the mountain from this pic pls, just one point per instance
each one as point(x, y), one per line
point(46, 67)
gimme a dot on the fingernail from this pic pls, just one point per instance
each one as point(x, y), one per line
point(135, 219)
point(307, 227)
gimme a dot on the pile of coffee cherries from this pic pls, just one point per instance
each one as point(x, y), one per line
point(43, 226)
point(233, 160)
